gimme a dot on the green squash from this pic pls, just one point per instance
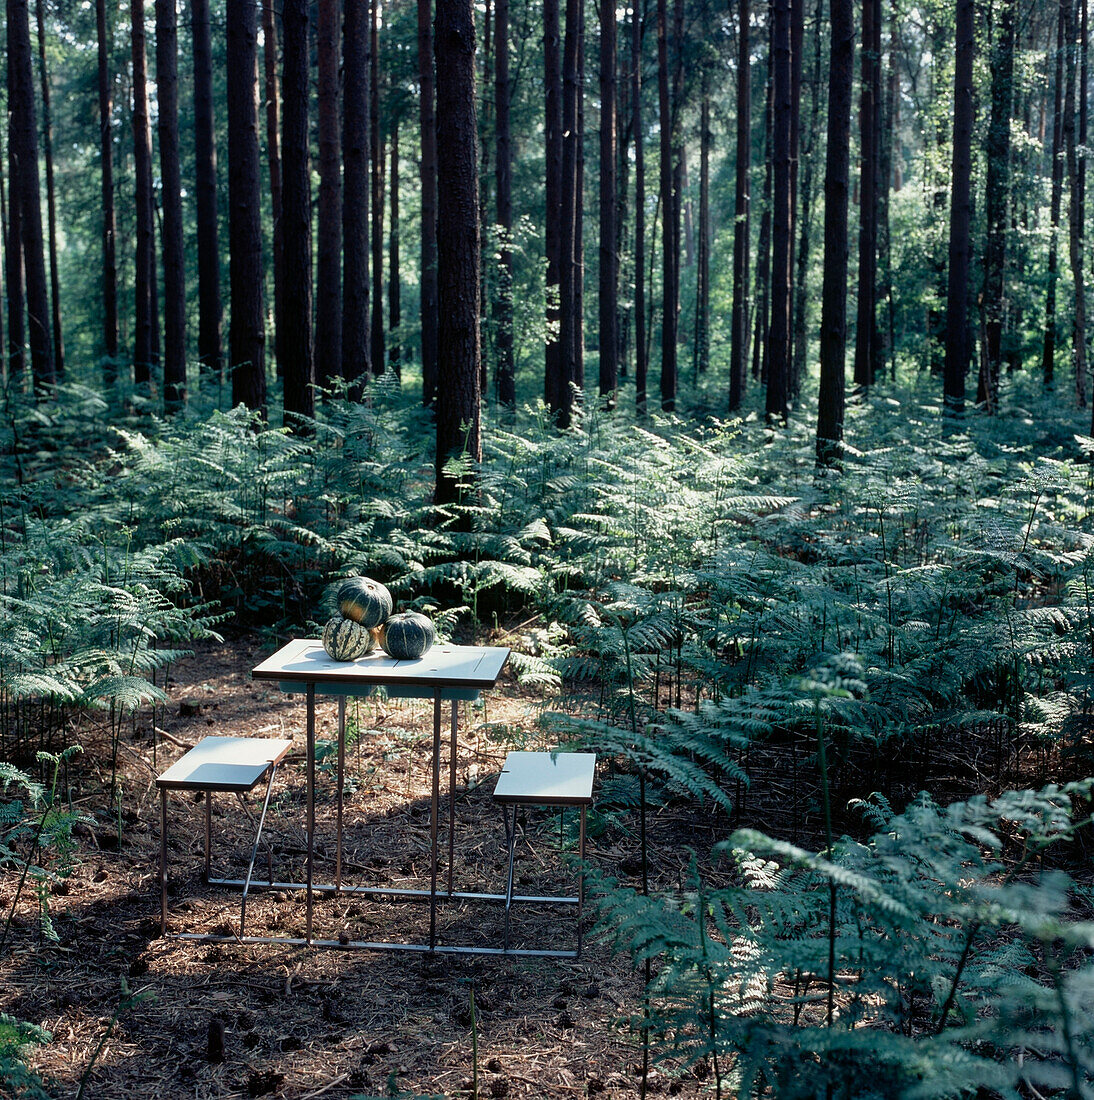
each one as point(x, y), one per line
point(345, 640)
point(365, 601)
point(407, 635)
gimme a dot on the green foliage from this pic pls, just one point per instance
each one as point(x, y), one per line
point(16, 1080)
point(945, 964)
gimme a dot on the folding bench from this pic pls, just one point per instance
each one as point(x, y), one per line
point(545, 779)
point(234, 764)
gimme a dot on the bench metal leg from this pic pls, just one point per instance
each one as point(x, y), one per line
point(254, 851)
point(163, 861)
point(581, 882)
point(511, 847)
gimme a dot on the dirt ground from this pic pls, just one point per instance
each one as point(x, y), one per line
point(230, 1020)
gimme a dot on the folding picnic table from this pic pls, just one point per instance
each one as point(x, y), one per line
point(445, 673)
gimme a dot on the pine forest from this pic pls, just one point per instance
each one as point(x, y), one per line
point(594, 503)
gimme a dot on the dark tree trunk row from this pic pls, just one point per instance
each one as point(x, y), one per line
point(556, 389)
point(13, 267)
point(866, 335)
point(957, 329)
point(428, 180)
point(328, 276)
point(210, 310)
point(51, 196)
point(106, 154)
point(273, 164)
point(458, 429)
point(762, 296)
point(356, 351)
point(394, 301)
point(144, 267)
point(296, 340)
point(503, 186)
point(609, 258)
point(247, 336)
point(669, 249)
point(738, 355)
point(376, 145)
point(833, 333)
point(640, 358)
point(1048, 352)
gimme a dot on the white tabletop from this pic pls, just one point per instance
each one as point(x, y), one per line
point(224, 763)
point(306, 661)
point(556, 779)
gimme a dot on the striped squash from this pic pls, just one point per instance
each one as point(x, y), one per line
point(345, 640)
point(406, 636)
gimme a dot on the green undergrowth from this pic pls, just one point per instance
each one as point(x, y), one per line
point(696, 604)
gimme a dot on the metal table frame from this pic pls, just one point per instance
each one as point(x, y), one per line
point(445, 673)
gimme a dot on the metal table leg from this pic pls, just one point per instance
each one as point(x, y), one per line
point(341, 791)
point(163, 861)
point(311, 809)
point(434, 809)
point(452, 795)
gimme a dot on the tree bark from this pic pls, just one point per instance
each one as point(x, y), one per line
point(328, 276)
point(1048, 351)
point(51, 197)
point(273, 164)
point(1075, 219)
point(106, 154)
point(174, 262)
point(805, 232)
point(568, 271)
point(458, 396)
point(298, 365)
point(428, 182)
point(669, 252)
point(556, 387)
point(377, 157)
point(144, 266)
point(608, 337)
point(503, 302)
point(866, 331)
point(781, 219)
point(13, 271)
point(738, 353)
point(210, 309)
point(957, 329)
point(761, 346)
point(641, 362)
point(702, 295)
point(833, 333)
point(247, 339)
point(394, 301)
point(24, 148)
point(356, 352)
point(996, 193)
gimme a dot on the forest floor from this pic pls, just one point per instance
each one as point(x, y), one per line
point(298, 1022)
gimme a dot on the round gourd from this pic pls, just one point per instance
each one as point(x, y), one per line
point(345, 640)
point(407, 635)
point(365, 601)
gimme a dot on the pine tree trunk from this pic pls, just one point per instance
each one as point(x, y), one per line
point(886, 141)
point(210, 310)
point(356, 351)
point(377, 167)
point(273, 164)
point(833, 333)
point(738, 353)
point(641, 363)
point(51, 197)
point(13, 271)
point(702, 297)
point(556, 387)
point(395, 318)
point(579, 213)
point(328, 275)
point(298, 368)
point(609, 259)
point(484, 134)
point(174, 261)
point(866, 331)
point(428, 178)
point(996, 193)
point(569, 327)
point(26, 194)
point(781, 219)
point(144, 266)
point(957, 330)
point(1048, 354)
point(797, 37)
point(801, 258)
point(458, 397)
point(760, 344)
point(106, 154)
point(669, 251)
point(503, 301)
point(247, 339)
point(1075, 219)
